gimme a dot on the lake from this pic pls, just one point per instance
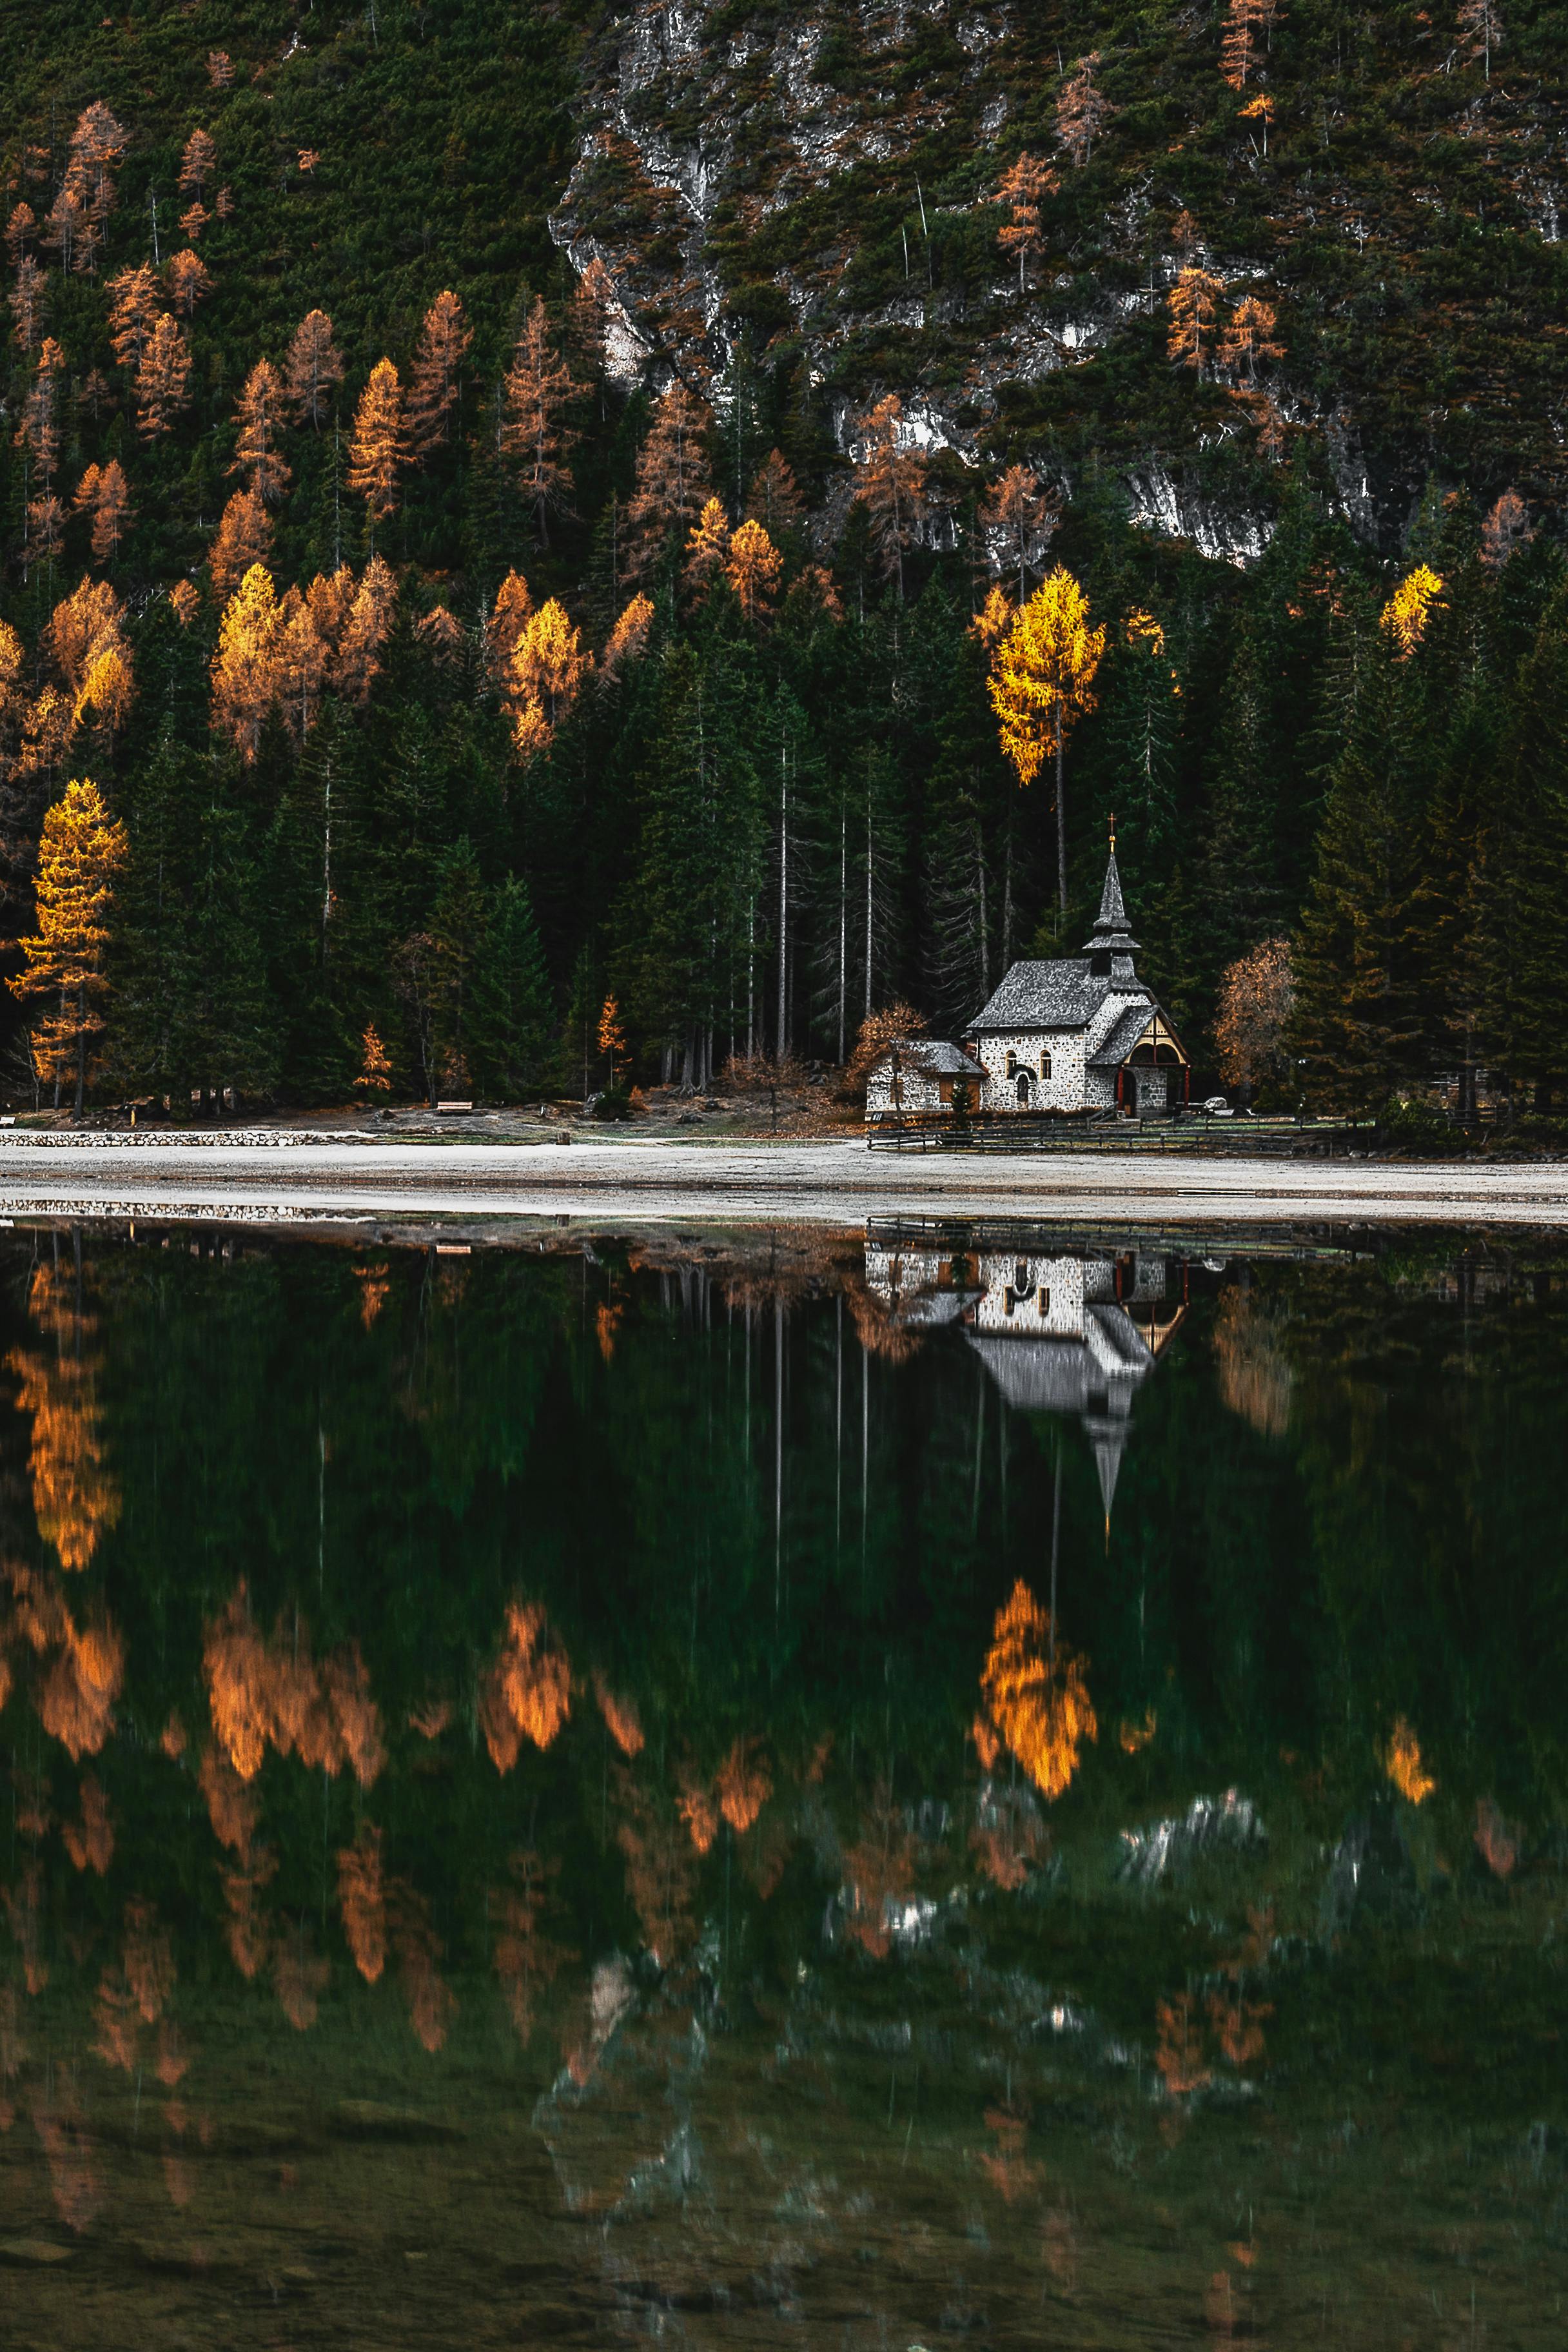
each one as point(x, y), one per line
point(872, 1789)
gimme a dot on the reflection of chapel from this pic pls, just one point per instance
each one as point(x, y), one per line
point(1061, 1334)
point(1076, 1033)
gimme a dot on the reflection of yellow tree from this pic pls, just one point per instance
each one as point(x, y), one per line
point(528, 1691)
point(267, 1694)
point(1036, 1701)
point(75, 1500)
point(1406, 1769)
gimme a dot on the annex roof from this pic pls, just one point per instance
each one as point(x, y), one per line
point(934, 1055)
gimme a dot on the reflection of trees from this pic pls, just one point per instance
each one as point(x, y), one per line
point(1254, 1374)
point(527, 1695)
point(75, 1500)
point(267, 1694)
point(1036, 1701)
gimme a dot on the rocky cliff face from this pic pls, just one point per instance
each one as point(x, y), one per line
point(813, 193)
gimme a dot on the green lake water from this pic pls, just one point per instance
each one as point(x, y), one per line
point(870, 1789)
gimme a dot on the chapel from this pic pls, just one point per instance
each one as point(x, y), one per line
point(1072, 1035)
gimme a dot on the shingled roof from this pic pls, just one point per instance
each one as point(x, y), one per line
point(1067, 992)
point(934, 1055)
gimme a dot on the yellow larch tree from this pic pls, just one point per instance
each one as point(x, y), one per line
point(547, 668)
point(245, 672)
point(628, 640)
point(706, 550)
point(80, 850)
point(534, 432)
point(508, 618)
point(1407, 611)
point(753, 569)
point(1041, 684)
point(433, 380)
point(377, 448)
point(1193, 303)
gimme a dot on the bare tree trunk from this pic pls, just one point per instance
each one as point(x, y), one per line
point(843, 924)
point(868, 902)
point(782, 1042)
point(1061, 826)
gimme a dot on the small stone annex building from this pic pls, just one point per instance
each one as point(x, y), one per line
point(1078, 1034)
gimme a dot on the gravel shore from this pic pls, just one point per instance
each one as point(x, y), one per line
point(294, 1175)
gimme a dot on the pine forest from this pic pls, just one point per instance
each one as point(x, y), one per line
point(542, 552)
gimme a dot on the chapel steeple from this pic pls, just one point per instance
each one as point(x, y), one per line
point(1111, 936)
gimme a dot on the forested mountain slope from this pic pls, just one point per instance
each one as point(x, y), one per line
point(370, 373)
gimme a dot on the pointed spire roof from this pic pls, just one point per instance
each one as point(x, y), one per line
point(1110, 933)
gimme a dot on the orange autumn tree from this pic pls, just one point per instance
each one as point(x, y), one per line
point(80, 853)
point(1037, 1702)
point(444, 341)
point(189, 282)
point(75, 1498)
point(105, 495)
point(707, 550)
point(198, 162)
point(774, 498)
point(890, 485)
point(534, 433)
point(753, 568)
point(244, 537)
point(245, 673)
point(313, 369)
point(1021, 517)
point(162, 378)
point(259, 412)
point(378, 449)
point(673, 482)
point(1041, 684)
point(135, 301)
point(1082, 108)
point(1025, 187)
point(546, 668)
point(1193, 303)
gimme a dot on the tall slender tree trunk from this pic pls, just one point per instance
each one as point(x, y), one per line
point(1061, 826)
point(868, 902)
point(782, 1042)
point(843, 924)
point(81, 1046)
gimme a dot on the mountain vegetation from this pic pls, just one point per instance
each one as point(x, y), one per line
point(718, 508)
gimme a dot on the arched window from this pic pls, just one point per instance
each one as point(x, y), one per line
point(1044, 1067)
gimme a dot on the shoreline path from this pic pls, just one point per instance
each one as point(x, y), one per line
point(295, 1176)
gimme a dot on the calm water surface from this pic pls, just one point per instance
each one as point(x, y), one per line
point(865, 1792)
